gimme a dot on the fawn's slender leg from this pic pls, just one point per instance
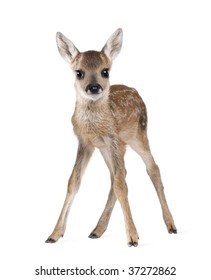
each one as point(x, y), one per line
point(113, 154)
point(83, 155)
point(121, 191)
point(117, 151)
point(105, 217)
point(141, 146)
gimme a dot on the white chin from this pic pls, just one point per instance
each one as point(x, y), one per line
point(91, 96)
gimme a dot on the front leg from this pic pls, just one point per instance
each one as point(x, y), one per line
point(83, 155)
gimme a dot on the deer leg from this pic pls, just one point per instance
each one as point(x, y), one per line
point(121, 191)
point(83, 156)
point(113, 155)
point(105, 216)
point(154, 174)
point(141, 146)
point(117, 151)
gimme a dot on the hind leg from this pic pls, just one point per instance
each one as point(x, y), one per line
point(105, 217)
point(141, 146)
point(118, 191)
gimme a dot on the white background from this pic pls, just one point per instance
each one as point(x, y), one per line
point(166, 55)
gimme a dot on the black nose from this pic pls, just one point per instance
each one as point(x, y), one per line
point(94, 88)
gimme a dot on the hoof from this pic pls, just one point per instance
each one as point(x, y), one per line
point(172, 230)
point(134, 244)
point(50, 240)
point(93, 236)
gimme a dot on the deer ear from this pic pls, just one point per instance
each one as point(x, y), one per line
point(114, 44)
point(66, 48)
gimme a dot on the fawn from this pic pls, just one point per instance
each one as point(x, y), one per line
point(108, 118)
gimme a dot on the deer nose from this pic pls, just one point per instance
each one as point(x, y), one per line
point(94, 89)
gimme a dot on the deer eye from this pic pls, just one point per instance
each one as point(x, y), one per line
point(79, 74)
point(105, 73)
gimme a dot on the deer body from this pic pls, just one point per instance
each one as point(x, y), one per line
point(108, 118)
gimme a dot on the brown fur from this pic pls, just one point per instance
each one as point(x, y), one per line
point(109, 120)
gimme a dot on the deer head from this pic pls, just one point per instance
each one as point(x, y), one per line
point(91, 68)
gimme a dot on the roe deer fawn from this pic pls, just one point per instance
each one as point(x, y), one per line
point(108, 118)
